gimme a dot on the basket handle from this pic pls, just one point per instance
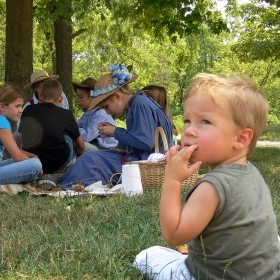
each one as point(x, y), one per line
point(111, 178)
point(159, 130)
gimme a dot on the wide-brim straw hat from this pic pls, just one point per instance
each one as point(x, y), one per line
point(88, 83)
point(38, 76)
point(108, 85)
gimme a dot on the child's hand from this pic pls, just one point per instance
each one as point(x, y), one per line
point(177, 167)
point(106, 129)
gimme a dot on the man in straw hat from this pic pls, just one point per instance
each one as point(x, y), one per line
point(92, 118)
point(143, 116)
point(37, 79)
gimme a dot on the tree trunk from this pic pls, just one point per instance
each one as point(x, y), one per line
point(51, 46)
point(19, 48)
point(63, 44)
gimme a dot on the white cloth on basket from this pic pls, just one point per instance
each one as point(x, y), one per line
point(155, 157)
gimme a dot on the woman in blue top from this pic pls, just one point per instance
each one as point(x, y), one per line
point(144, 115)
point(22, 166)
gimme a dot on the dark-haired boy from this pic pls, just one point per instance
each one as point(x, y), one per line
point(50, 131)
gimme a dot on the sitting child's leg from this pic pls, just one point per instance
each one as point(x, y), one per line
point(162, 263)
point(91, 147)
point(12, 172)
point(73, 153)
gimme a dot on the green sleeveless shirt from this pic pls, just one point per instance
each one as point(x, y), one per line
point(241, 241)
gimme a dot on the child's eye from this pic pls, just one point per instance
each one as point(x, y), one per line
point(205, 122)
point(187, 121)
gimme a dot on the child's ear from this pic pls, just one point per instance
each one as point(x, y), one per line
point(60, 99)
point(2, 107)
point(40, 97)
point(244, 138)
point(117, 95)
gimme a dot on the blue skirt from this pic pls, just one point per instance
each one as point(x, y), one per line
point(92, 167)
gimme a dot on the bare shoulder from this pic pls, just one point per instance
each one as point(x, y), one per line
point(198, 211)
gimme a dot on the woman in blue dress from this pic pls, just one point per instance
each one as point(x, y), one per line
point(144, 115)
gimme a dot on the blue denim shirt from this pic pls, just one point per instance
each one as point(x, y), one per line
point(88, 127)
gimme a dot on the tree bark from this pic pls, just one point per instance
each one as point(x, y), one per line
point(51, 47)
point(63, 43)
point(19, 48)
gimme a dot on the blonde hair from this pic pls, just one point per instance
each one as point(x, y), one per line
point(124, 89)
point(51, 89)
point(10, 93)
point(248, 106)
point(159, 94)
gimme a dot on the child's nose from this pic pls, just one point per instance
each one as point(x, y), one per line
point(190, 130)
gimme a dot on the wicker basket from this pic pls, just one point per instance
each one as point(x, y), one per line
point(152, 173)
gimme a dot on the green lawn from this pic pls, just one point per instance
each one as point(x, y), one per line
point(93, 237)
point(271, 133)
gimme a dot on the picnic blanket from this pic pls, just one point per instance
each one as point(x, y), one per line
point(94, 189)
point(16, 188)
point(13, 189)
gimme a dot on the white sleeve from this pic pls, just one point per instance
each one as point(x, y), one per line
point(64, 104)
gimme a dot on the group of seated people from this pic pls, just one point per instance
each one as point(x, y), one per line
point(227, 219)
point(49, 134)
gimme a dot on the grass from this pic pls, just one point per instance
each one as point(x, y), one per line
point(271, 133)
point(93, 237)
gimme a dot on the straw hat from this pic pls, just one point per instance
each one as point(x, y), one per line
point(88, 83)
point(39, 75)
point(110, 83)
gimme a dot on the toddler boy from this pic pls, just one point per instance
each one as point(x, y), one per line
point(228, 218)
